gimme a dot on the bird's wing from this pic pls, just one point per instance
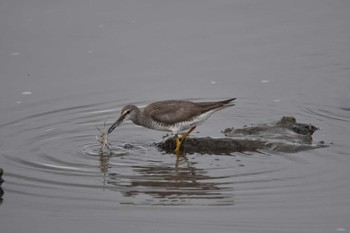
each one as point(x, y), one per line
point(171, 112)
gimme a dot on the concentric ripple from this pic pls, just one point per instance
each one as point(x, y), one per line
point(54, 154)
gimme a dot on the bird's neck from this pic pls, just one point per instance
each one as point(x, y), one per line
point(137, 118)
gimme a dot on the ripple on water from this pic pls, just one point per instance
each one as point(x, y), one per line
point(56, 155)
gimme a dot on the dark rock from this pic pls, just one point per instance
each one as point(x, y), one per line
point(212, 145)
point(128, 146)
point(286, 135)
point(286, 129)
point(289, 122)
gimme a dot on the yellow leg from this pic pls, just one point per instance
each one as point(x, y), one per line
point(186, 134)
point(180, 141)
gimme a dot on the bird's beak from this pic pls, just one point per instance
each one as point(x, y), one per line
point(116, 124)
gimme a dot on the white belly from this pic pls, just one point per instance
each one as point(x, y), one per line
point(182, 126)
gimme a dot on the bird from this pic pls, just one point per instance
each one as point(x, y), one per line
point(174, 116)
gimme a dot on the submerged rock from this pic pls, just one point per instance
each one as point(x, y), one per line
point(289, 122)
point(286, 135)
point(286, 130)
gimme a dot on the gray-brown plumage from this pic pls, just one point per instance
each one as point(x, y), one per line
point(171, 115)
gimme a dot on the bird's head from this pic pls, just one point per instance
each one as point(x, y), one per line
point(128, 112)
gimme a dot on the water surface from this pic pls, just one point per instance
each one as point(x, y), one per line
point(66, 67)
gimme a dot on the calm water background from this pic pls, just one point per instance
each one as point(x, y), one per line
point(67, 65)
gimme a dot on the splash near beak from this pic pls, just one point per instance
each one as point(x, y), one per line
point(116, 124)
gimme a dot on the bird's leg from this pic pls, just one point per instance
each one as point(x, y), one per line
point(180, 141)
point(178, 144)
point(186, 134)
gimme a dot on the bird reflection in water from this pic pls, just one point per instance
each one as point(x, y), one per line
point(180, 183)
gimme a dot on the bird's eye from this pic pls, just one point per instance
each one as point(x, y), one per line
point(127, 112)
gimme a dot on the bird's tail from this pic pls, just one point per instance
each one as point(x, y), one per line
point(207, 106)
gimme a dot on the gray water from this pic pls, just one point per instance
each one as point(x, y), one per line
point(66, 66)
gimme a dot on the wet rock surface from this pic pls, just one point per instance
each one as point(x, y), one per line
point(285, 135)
point(212, 145)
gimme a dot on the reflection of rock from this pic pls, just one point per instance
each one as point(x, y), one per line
point(1, 194)
point(285, 135)
point(1, 173)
